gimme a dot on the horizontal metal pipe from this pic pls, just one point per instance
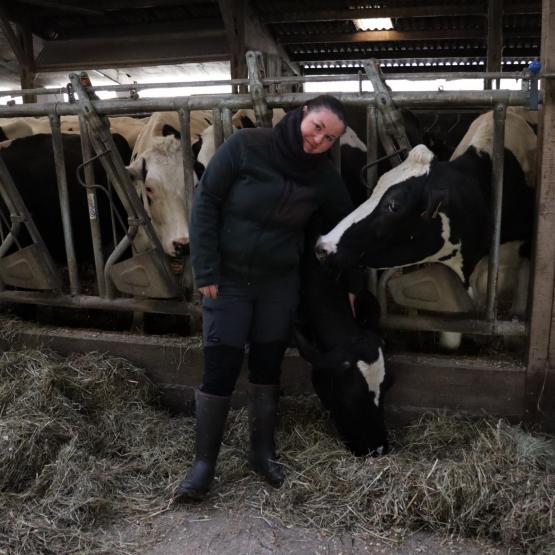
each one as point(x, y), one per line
point(450, 76)
point(436, 323)
point(424, 99)
point(87, 301)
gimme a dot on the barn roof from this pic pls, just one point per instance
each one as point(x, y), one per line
point(314, 36)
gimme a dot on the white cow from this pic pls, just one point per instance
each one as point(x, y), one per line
point(157, 172)
point(15, 128)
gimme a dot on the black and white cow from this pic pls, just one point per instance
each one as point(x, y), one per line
point(426, 210)
point(30, 162)
point(349, 373)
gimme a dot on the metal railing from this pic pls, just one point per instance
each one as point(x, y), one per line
point(223, 105)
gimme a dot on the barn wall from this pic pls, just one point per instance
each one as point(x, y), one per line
point(423, 382)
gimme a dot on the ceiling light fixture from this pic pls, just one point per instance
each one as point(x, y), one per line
point(373, 24)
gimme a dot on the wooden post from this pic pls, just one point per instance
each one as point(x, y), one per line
point(233, 15)
point(27, 69)
point(245, 31)
point(495, 38)
point(540, 379)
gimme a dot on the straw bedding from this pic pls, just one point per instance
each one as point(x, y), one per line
point(84, 445)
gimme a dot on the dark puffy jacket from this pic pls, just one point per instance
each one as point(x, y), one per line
point(248, 218)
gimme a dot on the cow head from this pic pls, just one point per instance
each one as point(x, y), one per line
point(157, 174)
point(406, 220)
point(351, 381)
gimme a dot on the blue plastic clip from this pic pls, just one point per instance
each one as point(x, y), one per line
point(534, 67)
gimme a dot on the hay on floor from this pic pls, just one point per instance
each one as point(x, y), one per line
point(85, 445)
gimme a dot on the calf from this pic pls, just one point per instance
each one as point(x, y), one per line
point(349, 373)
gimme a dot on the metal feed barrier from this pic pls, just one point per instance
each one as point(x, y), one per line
point(33, 278)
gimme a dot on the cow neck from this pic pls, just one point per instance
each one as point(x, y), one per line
point(289, 156)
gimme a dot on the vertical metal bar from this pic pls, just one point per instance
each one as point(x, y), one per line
point(94, 222)
point(186, 151)
point(218, 128)
point(63, 194)
point(371, 147)
point(255, 65)
point(188, 169)
point(227, 123)
point(498, 153)
point(372, 174)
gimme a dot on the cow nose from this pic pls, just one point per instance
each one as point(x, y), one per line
point(320, 251)
point(181, 246)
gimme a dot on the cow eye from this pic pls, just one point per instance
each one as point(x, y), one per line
point(345, 365)
point(149, 190)
point(392, 206)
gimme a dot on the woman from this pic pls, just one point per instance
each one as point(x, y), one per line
point(246, 237)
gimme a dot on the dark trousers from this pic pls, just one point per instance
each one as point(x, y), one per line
point(258, 313)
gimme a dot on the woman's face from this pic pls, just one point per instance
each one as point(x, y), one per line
point(319, 129)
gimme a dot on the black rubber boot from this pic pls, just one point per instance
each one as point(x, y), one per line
point(211, 414)
point(262, 409)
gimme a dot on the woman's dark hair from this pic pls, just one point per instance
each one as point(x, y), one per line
point(329, 102)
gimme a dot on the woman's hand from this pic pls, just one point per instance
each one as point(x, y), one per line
point(210, 291)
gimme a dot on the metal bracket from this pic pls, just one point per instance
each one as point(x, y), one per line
point(256, 70)
point(390, 121)
point(70, 93)
point(30, 267)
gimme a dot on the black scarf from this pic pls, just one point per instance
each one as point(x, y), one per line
point(289, 156)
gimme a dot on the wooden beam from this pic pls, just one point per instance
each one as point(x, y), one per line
point(67, 55)
point(113, 5)
point(245, 32)
point(27, 70)
point(11, 37)
point(540, 382)
point(193, 27)
point(495, 38)
point(62, 7)
point(234, 17)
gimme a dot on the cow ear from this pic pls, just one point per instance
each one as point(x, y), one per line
point(137, 169)
point(437, 198)
point(246, 122)
point(169, 130)
point(195, 147)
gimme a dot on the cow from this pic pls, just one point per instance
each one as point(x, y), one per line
point(426, 210)
point(163, 197)
point(157, 173)
point(161, 124)
point(349, 373)
point(30, 162)
point(14, 128)
point(205, 147)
